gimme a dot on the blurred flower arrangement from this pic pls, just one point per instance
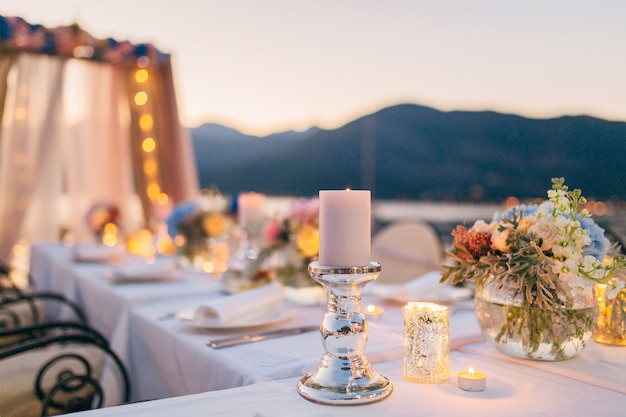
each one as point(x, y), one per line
point(292, 242)
point(101, 215)
point(196, 225)
point(192, 222)
point(536, 267)
point(16, 34)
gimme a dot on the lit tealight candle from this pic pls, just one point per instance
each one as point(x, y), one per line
point(472, 381)
point(373, 312)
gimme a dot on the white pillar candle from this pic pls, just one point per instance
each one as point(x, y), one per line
point(250, 208)
point(345, 228)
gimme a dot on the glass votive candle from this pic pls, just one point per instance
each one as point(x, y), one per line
point(611, 323)
point(425, 342)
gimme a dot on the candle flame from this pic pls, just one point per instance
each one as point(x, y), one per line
point(370, 308)
point(471, 371)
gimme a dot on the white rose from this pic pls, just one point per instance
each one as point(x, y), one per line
point(480, 227)
point(498, 240)
point(545, 229)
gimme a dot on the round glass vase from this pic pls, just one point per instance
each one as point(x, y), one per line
point(611, 325)
point(528, 331)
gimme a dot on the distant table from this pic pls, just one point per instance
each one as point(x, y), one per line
point(52, 268)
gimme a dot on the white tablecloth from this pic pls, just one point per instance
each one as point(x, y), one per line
point(600, 365)
point(512, 390)
point(171, 358)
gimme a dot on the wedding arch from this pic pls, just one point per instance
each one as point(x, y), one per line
point(83, 120)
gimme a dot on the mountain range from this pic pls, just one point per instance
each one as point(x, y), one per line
point(412, 152)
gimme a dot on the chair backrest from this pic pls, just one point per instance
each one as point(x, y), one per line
point(57, 368)
point(22, 306)
point(23, 309)
point(406, 250)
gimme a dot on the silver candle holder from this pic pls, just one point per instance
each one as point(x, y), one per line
point(344, 375)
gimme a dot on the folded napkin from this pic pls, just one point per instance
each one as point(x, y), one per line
point(160, 269)
point(226, 309)
point(97, 253)
point(426, 287)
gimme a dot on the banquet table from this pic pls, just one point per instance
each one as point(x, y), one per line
point(166, 357)
point(171, 365)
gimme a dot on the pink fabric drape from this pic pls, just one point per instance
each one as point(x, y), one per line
point(181, 181)
point(174, 166)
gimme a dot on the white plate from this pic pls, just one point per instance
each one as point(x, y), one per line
point(161, 270)
point(97, 253)
point(258, 319)
point(118, 278)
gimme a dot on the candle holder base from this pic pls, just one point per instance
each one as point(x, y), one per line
point(344, 375)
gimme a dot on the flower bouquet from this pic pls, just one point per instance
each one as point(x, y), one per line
point(102, 214)
point(292, 242)
point(536, 267)
point(196, 229)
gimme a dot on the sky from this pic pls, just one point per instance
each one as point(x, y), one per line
point(264, 66)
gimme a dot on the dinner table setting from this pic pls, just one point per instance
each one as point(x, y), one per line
point(203, 333)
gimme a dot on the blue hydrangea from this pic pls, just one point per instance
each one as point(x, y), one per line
point(179, 213)
point(600, 244)
point(529, 210)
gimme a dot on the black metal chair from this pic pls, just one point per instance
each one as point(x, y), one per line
point(56, 368)
point(20, 307)
point(51, 362)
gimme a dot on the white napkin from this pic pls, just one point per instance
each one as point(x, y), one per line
point(160, 269)
point(97, 253)
point(426, 287)
point(225, 309)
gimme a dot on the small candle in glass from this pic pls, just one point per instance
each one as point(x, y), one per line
point(426, 342)
point(611, 323)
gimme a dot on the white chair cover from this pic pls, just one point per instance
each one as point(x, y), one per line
point(405, 250)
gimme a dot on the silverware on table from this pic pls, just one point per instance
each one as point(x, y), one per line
point(257, 337)
point(167, 316)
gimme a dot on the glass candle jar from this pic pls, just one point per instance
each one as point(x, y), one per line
point(426, 342)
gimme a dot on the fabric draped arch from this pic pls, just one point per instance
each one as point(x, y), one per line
point(74, 132)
